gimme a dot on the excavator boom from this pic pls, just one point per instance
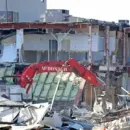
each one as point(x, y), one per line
point(69, 66)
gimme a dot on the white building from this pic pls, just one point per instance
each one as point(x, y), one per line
point(39, 47)
point(28, 10)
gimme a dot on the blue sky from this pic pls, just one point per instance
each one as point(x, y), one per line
point(109, 10)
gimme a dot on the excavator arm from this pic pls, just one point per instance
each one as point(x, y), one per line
point(84, 72)
point(71, 65)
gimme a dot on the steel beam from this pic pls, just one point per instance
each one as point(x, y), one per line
point(42, 25)
point(107, 55)
point(59, 41)
point(124, 48)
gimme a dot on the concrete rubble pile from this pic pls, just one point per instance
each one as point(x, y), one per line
point(115, 120)
point(65, 114)
point(103, 119)
point(119, 124)
point(22, 116)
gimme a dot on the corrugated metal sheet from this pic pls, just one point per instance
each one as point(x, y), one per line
point(45, 84)
point(6, 102)
point(7, 71)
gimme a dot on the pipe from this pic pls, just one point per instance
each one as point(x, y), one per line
point(57, 86)
point(59, 41)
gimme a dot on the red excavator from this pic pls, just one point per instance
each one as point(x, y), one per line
point(26, 78)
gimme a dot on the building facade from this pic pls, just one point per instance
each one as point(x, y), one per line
point(28, 10)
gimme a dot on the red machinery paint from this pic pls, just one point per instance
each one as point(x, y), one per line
point(69, 66)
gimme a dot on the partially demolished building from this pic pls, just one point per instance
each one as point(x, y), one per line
point(90, 41)
point(102, 45)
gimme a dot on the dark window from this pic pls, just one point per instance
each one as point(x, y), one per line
point(53, 45)
point(53, 48)
point(63, 11)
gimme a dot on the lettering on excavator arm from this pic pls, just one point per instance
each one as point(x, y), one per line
point(71, 65)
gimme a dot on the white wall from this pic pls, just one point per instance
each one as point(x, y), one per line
point(72, 43)
point(9, 53)
point(79, 42)
point(37, 42)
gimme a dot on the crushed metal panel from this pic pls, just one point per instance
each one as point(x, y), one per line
point(5, 126)
point(7, 71)
point(45, 84)
point(29, 127)
point(24, 115)
point(54, 121)
point(9, 115)
point(17, 93)
point(8, 103)
point(39, 111)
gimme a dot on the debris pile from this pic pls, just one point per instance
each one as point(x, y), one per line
point(22, 116)
point(56, 103)
point(27, 116)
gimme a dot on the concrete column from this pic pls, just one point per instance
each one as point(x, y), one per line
point(124, 49)
point(19, 43)
point(90, 45)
